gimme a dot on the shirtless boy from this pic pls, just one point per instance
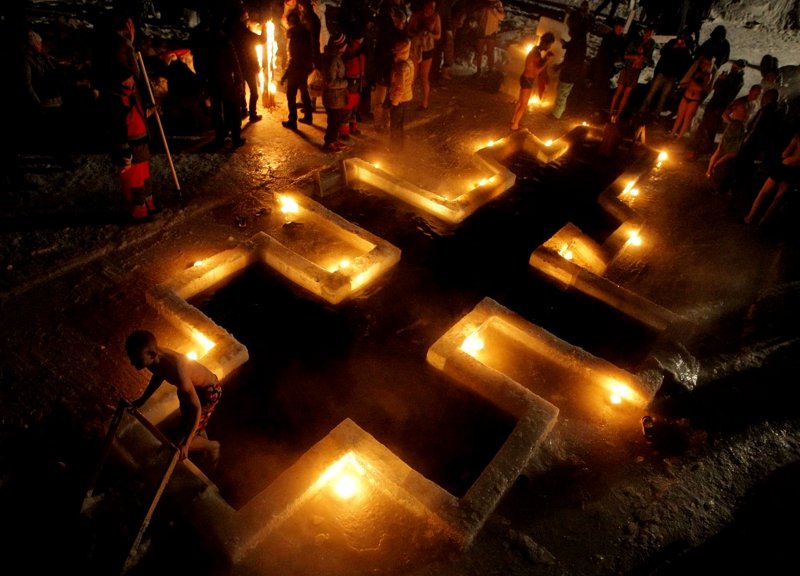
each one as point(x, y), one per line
point(535, 65)
point(198, 390)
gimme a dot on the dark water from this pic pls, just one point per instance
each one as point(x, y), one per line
point(312, 364)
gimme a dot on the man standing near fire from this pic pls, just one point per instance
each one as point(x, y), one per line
point(535, 65)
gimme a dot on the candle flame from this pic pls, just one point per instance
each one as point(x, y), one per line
point(343, 476)
point(288, 204)
point(345, 486)
point(472, 344)
point(203, 340)
point(619, 392)
point(634, 238)
point(192, 355)
point(199, 263)
point(662, 156)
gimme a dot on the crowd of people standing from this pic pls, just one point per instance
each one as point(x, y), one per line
point(367, 61)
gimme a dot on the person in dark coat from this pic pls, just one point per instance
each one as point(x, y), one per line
point(300, 65)
point(309, 19)
point(114, 46)
point(674, 60)
point(245, 42)
point(225, 85)
point(718, 46)
point(609, 58)
point(572, 70)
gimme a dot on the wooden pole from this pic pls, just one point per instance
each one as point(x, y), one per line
point(160, 127)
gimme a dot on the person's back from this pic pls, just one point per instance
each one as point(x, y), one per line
point(579, 23)
point(728, 85)
point(674, 59)
point(245, 42)
point(609, 53)
point(765, 125)
point(114, 45)
point(197, 388)
point(718, 46)
point(300, 49)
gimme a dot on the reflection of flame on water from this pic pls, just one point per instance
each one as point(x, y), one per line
point(472, 344)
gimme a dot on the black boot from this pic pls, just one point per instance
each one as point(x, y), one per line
point(306, 119)
point(290, 124)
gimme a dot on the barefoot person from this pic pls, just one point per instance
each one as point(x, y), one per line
point(198, 390)
point(535, 64)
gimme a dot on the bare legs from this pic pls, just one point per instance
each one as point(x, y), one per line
point(423, 72)
point(519, 109)
point(686, 111)
point(621, 95)
point(765, 192)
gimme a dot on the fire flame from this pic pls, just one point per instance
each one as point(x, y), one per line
point(288, 204)
point(472, 344)
point(343, 476)
point(272, 55)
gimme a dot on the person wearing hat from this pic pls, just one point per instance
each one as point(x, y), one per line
point(334, 91)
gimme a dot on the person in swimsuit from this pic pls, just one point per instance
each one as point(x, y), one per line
point(198, 389)
point(696, 84)
point(535, 64)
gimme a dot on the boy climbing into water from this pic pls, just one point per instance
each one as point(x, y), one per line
point(198, 390)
